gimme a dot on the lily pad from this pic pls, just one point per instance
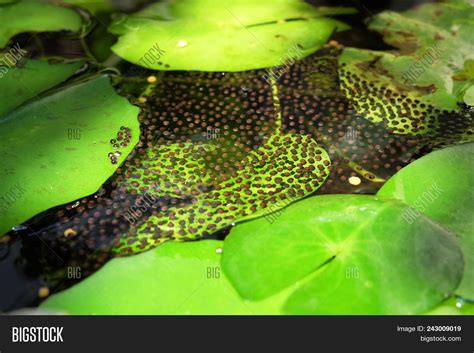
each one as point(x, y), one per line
point(175, 278)
point(55, 149)
point(35, 16)
point(441, 185)
point(225, 35)
point(350, 254)
point(429, 73)
point(21, 84)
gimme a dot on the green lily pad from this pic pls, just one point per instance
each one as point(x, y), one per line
point(55, 149)
point(429, 73)
point(441, 185)
point(175, 278)
point(35, 16)
point(235, 35)
point(350, 254)
point(21, 84)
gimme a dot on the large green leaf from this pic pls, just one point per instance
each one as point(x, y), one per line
point(175, 278)
point(20, 84)
point(351, 255)
point(429, 73)
point(226, 35)
point(35, 16)
point(55, 149)
point(441, 185)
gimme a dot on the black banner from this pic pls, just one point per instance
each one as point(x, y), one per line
point(152, 333)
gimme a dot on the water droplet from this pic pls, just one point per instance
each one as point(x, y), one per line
point(182, 43)
point(353, 180)
point(219, 250)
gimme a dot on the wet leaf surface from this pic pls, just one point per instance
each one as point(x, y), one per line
point(55, 148)
point(35, 16)
point(21, 84)
point(441, 185)
point(174, 279)
point(224, 35)
point(350, 254)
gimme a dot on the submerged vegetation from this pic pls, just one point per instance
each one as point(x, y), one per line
point(286, 172)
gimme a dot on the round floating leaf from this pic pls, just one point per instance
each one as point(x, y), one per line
point(441, 185)
point(210, 35)
point(21, 84)
point(352, 255)
point(175, 278)
point(35, 16)
point(55, 149)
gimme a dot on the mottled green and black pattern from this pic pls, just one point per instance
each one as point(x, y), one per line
point(283, 141)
